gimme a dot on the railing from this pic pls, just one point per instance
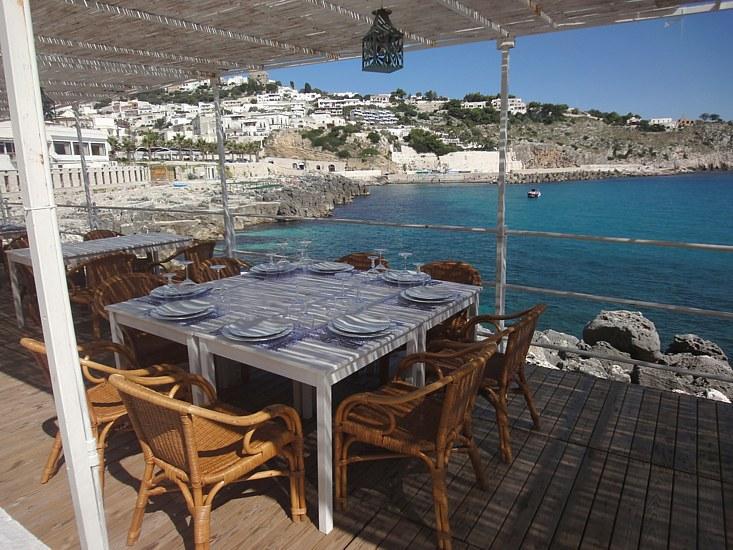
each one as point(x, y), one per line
point(710, 247)
point(71, 177)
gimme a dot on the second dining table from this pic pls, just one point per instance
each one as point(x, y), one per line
point(311, 355)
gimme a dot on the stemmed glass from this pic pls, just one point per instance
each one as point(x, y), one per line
point(418, 270)
point(381, 267)
point(187, 280)
point(170, 286)
point(218, 291)
point(404, 256)
point(373, 271)
point(283, 247)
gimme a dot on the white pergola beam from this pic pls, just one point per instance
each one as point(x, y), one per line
point(536, 9)
point(29, 132)
point(470, 13)
point(86, 64)
point(361, 18)
point(176, 23)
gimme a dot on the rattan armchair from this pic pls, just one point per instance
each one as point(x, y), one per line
point(202, 449)
point(454, 272)
point(360, 260)
point(95, 272)
point(197, 252)
point(504, 368)
point(95, 234)
point(427, 423)
point(201, 272)
point(147, 348)
point(105, 405)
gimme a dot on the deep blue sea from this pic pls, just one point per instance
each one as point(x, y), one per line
point(692, 208)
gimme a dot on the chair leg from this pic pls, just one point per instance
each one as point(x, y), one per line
point(340, 473)
point(528, 398)
point(142, 501)
point(297, 482)
point(53, 458)
point(201, 520)
point(475, 457)
point(502, 420)
point(440, 499)
point(384, 370)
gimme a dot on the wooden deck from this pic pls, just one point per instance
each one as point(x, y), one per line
point(614, 466)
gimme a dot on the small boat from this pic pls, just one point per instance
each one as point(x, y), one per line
point(534, 194)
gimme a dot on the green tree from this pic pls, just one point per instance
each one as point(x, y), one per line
point(399, 94)
point(271, 87)
point(114, 145)
point(179, 142)
point(705, 117)
point(128, 146)
point(714, 117)
point(292, 84)
point(431, 95)
point(307, 88)
point(427, 142)
point(374, 137)
point(343, 154)
point(149, 140)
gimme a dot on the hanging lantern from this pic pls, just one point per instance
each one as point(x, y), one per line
point(382, 47)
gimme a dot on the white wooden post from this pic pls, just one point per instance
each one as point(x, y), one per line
point(24, 99)
point(229, 235)
point(501, 245)
point(84, 171)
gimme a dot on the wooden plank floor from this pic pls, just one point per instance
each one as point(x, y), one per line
point(614, 466)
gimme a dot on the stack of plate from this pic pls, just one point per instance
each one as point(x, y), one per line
point(182, 311)
point(259, 330)
point(278, 268)
point(328, 268)
point(178, 292)
point(400, 277)
point(427, 295)
point(362, 325)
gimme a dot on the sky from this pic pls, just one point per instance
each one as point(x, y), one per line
point(677, 67)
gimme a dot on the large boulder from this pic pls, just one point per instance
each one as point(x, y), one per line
point(626, 331)
point(549, 358)
point(692, 380)
point(694, 344)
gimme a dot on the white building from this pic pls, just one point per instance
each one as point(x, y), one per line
point(473, 104)
point(62, 145)
point(381, 117)
point(380, 100)
point(667, 122)
point(516, 105)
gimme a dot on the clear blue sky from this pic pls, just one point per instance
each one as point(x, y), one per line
point(674, 67)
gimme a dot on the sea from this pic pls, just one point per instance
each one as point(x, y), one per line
point(695, 208)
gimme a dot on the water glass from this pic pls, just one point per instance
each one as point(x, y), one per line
point(404, 256)
point(187, 280)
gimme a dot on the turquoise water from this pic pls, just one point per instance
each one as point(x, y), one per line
point(692, 208)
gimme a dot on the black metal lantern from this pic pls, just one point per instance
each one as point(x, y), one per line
point(382, 47)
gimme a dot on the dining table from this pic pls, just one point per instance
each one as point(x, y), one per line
point(312, 354)
point(74, 253)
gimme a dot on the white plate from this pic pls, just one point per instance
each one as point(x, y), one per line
point(178, 291)
point(426, 302)
point(260, 328)
point(182, 309)
point(358, 336)
point(404, 277)
point(429, 294)
point(330, 267)
point(273, 269)
point(360, 324)
point(228, 334)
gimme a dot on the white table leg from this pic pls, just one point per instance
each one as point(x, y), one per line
point(197, 357)
point(416, 345)
point(325, 458)
point(117, 335)
point(298, 397)
point(15, 288)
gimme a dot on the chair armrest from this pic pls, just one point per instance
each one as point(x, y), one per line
point(88, 350)
point(432, 360)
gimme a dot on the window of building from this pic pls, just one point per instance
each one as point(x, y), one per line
point(331, 168)
point(76, 148)
point(62, 147)
point(98, 149)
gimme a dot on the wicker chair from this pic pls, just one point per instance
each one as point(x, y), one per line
point(428, 423)
point(105, 405)
point(454, 272)
point(17, 242)
point(197, 252)
point(504, 368)
point(147, 348)
point(202, 449)
point(201, 272)
point(360, 260)
point(95, 234)
point(94, 273)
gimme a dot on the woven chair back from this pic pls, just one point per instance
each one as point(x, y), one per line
point(453, 271)
point(200, 251)
point(201, 272)
point(95, 234)
point(38, 351)
point(361, 261)
point(102, 269)
point(122, 288)
point(460, 394)
point(18, 242)
point(163, 426)
point(519, 340)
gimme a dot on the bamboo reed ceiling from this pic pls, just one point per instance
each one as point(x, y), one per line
point(92, 49)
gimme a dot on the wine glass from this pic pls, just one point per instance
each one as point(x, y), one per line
point(187, 280)
point(170, 287)
point(282, 247)
point(418, 271)
point(373, 271)
point(404, 256)
point(381, 266)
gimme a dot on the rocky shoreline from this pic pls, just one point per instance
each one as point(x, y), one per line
point(630, 335)
point(251, 201)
